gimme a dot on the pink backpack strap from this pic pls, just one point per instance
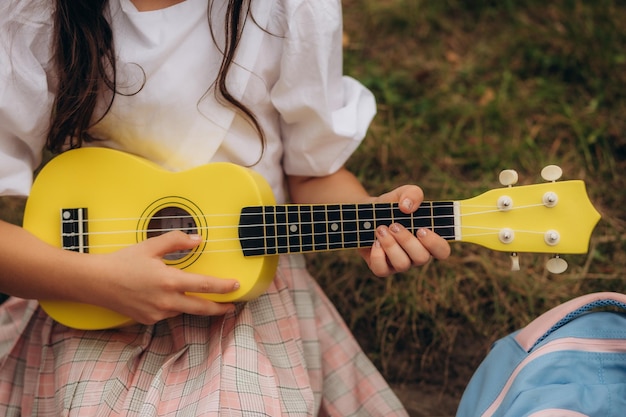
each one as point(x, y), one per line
point(551, 320)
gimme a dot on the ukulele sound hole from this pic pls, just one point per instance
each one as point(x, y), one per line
point(168, 219)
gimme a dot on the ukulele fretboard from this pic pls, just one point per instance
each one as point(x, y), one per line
point(271, 230)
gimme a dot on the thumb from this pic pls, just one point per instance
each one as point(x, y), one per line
point(409, 197)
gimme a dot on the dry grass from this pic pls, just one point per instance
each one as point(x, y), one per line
point(465, 90)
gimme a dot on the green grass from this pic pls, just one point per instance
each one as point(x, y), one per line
point(466, 89)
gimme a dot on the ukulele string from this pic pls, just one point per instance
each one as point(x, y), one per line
point(326, 246)
point(489, 210)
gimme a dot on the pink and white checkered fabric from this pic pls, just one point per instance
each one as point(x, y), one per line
point(288, 353)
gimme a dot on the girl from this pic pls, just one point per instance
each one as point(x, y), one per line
point(185, 83)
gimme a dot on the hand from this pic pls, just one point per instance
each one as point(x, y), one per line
point(397, 249)
point(137, 283)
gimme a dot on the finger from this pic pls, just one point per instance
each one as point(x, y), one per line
point(202, 307)
point(435, 244)
point(205, 284)
point(397, 256)
point(415, 250)
point(171, 242)
point(408, 197)
point(187, 297)
point(185, 304)
point(377, 260)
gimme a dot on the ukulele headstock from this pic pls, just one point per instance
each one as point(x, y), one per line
point(552, 217)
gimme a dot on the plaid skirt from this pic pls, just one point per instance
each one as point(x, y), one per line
point(287, 353)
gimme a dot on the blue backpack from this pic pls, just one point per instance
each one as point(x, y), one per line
point(569, 362)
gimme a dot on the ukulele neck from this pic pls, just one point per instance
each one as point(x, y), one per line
point(271, 230)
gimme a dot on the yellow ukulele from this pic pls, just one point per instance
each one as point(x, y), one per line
point(97, 200)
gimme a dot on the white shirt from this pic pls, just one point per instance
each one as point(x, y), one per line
point(288, 71)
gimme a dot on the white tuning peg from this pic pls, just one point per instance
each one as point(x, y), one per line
point(508, 177)
point(514, 262)
point(551, 173)
point(556, 265)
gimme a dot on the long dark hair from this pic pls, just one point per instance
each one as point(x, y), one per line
point(85, 65)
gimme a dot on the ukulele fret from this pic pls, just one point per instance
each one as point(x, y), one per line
point(349, 225)
point(444, 219)
point(365, 225)
point(294, 229)
point(423, 217)
point(306, 226)
point(334, 227)
point(404, 219)
point(320, 230)
point(282, 234)
point(270, 230)
point(383, 215)
point(74, 236)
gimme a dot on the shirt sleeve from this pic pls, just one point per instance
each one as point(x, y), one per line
point(25, 99)
point(324, 114)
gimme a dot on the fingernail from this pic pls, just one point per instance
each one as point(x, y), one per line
point(376, 244)
point(422, 232)
point(236, 286)
point(195, 237)
point(408, 204)
point(382, 231)
point(394, 228)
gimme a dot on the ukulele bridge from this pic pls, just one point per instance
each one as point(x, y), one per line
point(74, 233)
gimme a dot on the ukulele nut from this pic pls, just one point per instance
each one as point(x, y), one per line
point(506, 236)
